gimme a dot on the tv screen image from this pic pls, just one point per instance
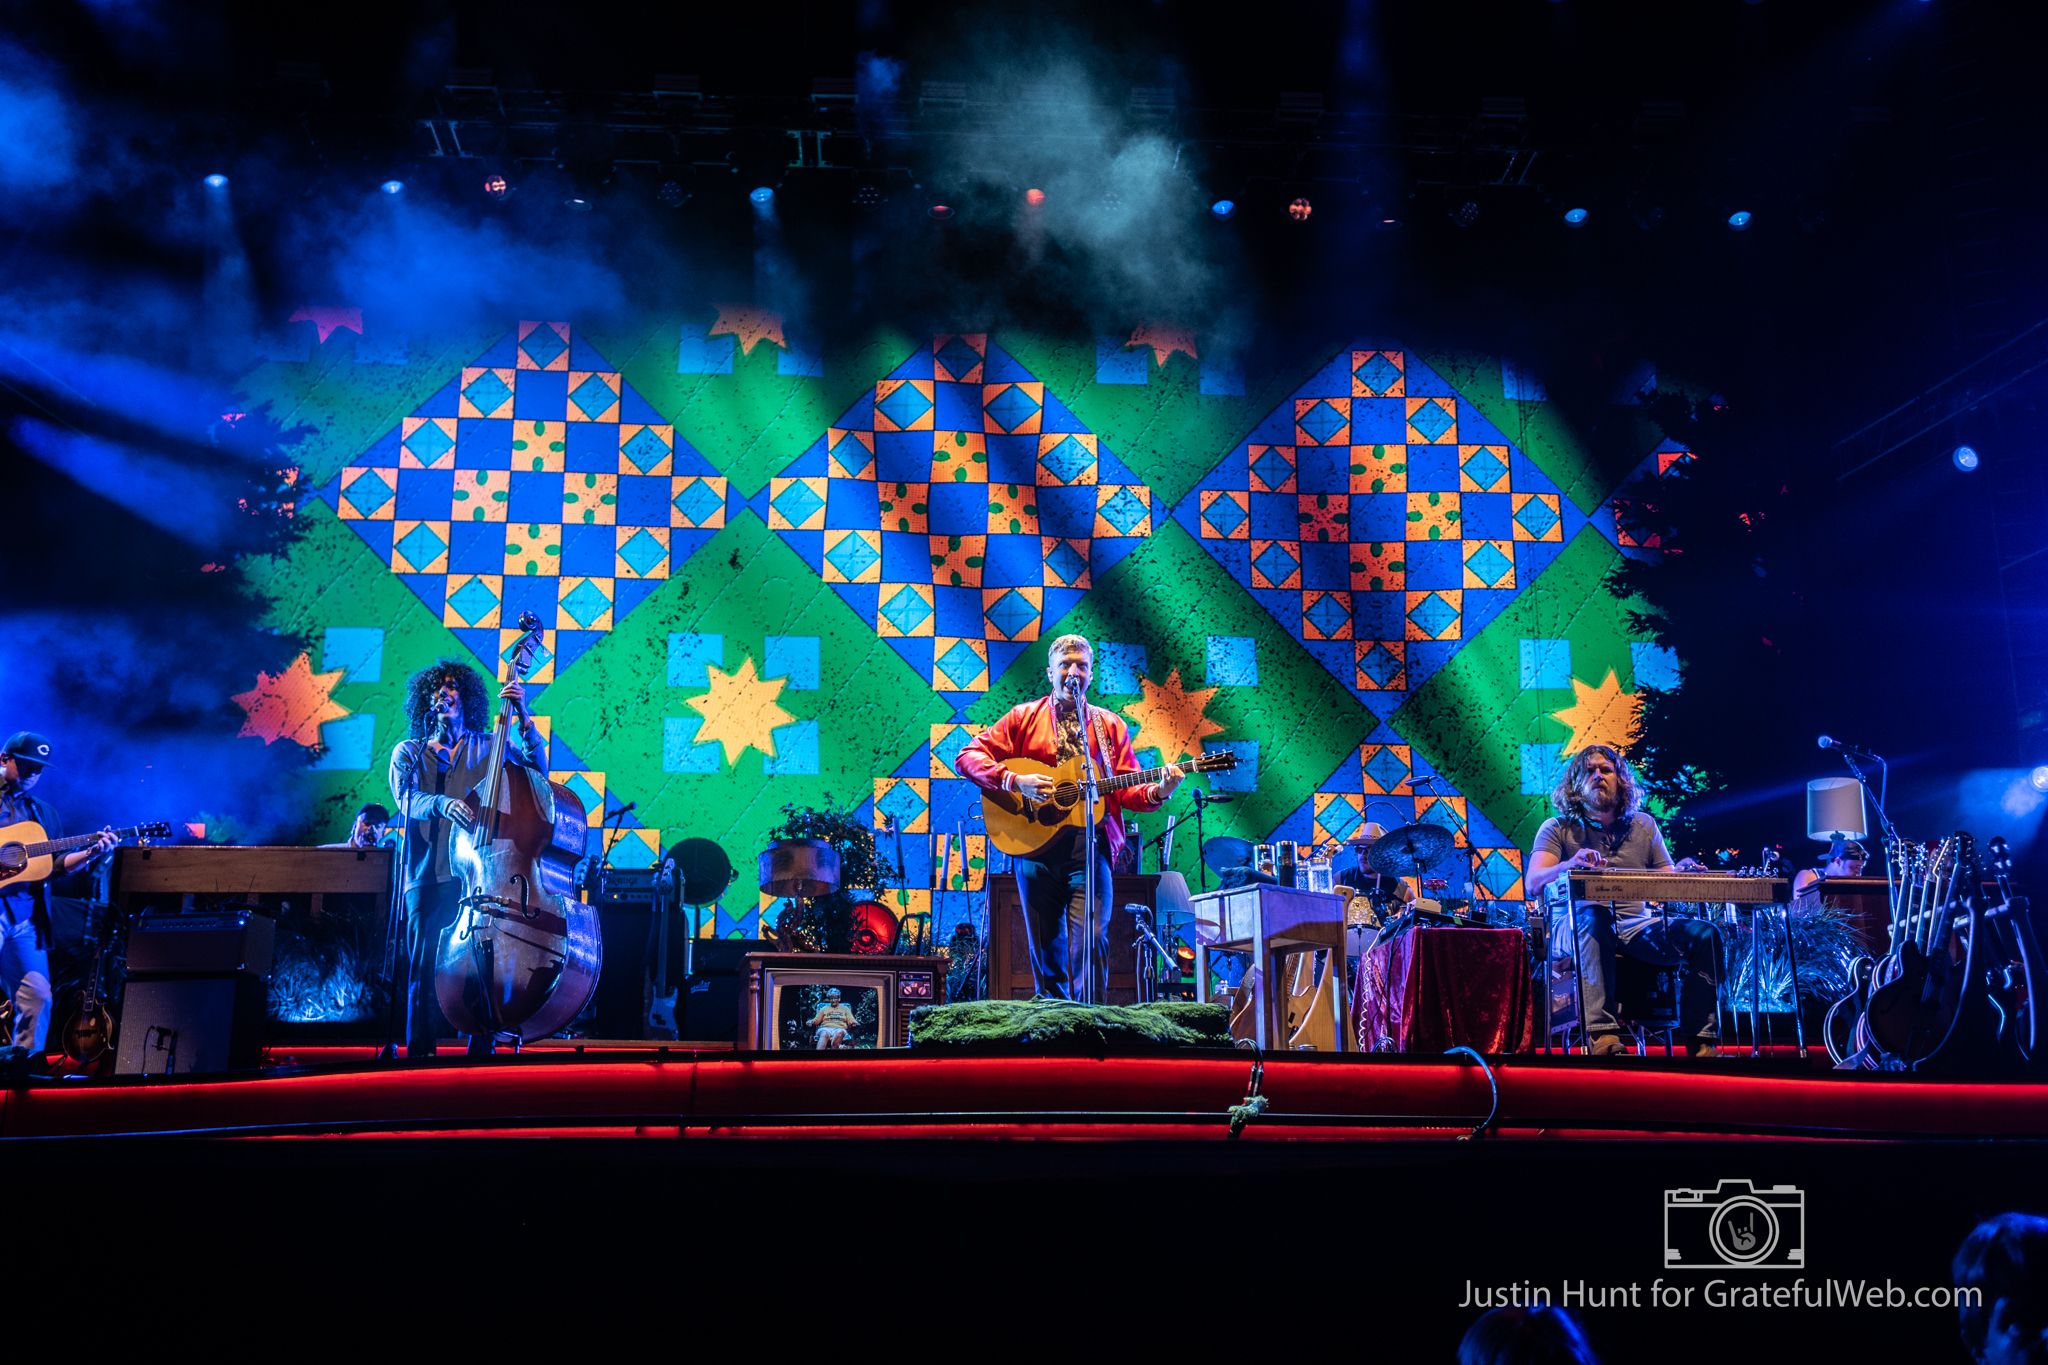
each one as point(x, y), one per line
point(822, 1016)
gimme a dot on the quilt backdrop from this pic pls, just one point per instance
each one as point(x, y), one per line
point(770, 576)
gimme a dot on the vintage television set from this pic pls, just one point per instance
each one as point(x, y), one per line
point(785, 1002)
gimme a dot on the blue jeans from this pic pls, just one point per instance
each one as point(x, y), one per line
point(1051, 894)
point(1692, 943)
point(25, 973)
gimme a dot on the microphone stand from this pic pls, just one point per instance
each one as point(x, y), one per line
point(1089, 891)
point(1201, 844)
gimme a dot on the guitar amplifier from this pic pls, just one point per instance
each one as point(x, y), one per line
point(627, 888)
point(221, 941)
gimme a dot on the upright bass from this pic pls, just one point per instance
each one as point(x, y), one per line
point(523, 955)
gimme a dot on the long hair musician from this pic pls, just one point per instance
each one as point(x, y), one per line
point(447, 708)
point(1600, 823)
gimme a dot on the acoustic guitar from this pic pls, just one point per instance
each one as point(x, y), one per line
point(89, 1032)
point(27, 853)
point(1022, 827)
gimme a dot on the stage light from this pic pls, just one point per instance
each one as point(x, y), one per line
point(1035, 198)
point(1738, 221)
point(216, 181)
point(762, 197)
point(1111, 201)
point(497, 186)
point(2038, 779)
point(1466, 214)
point(1389, 225)
point(1299, 209)
point(940, 211)
point(393, 187)
point(576, 203)
point(1965, 458)
point(1223, 208)
point(867, 197)
point(1575, 217)
point(670, 195)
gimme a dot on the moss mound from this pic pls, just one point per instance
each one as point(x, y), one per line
point(1068, 1026)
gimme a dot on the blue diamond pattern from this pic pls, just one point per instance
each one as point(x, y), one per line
point(1490, 564)
point(1434, 615)
point(958, 357)
point(1011, 613)
point(1496, 873)
point(1225, 515)
point(646, 449)
point(947, 750)
point(851, 456)
point(1273, 468)
point(1321, 422)
point(487, 393)
point(1443, 815)
point(1484, 468)
point(1013, 408)
point(1380, 664)
point(797, 502)
point(586, 603)
point(594, 397)
point(906, 611)
point(421, 546)
point(1431, 420)
point(1277, 563)
point(586, 793)
point(1338, 819)
point(699, 500)
point(1327, 615)
point(904, 405)
point(901, 803)
point(1067, 461)
point(853, 557)
point(429, 443)
point(960, 664)
point(541, 656)
point(642, 552)
point(1536, 518)
point(473, 601)
point(1387, 769)
point(1066, 563)
point(542, 345)
point(1379, 373)
point(368, 493)
point(1124, 511)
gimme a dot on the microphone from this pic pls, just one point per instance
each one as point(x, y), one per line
point(1830, 742)
point(625, 809)
point(1202, 798)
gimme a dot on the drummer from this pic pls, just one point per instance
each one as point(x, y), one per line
point(1391, 890)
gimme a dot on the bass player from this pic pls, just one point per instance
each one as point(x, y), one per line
point(1049, 731)
point(25, 906)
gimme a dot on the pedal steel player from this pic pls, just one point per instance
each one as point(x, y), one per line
point(1048, 731)
point(1600, 823)
point(446, 756)
point(25, 906)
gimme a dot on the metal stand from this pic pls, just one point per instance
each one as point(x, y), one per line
point(1202, 799)
point(1089, 891)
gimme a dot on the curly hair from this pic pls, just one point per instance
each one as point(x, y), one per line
point(1567, 796)
point(420, 689)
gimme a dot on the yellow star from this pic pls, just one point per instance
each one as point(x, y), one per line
point(292, 705)
point(1600, 715)
point(1170, 719)
point(1164, 338)
point(751, 325)
point(740, 711)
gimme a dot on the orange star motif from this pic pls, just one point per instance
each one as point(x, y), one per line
point(1164, 338)
point(1171, 719)
point(292, 705)
point(751, 325)
point(740, 711)
point(1601, 715)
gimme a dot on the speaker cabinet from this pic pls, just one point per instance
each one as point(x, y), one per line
point(1009, 948)
point(190, 1024)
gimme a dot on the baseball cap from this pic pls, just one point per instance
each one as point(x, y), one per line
point(30, 747)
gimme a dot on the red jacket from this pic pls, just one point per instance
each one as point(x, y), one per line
point(1028, 730)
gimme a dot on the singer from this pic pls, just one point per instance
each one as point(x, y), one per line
point(448, 712)
point(1049, 730)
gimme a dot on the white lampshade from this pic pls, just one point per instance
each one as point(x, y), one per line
point(1834, 809)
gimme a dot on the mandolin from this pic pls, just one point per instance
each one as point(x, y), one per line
point(90, 1030)
point(28, 853)
point(1022, 827)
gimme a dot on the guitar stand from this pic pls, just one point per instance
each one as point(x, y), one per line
point(1756, 980)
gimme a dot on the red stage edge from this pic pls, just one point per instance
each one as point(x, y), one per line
point(891, 1096)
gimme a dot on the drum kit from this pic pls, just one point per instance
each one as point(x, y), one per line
point(1408, 851)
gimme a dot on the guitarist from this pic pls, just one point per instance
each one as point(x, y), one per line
point(25, 907)
point(1049, 731)
point(448, 711)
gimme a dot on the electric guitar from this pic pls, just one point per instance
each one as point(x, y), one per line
point(27, 853)
point(90, 1030)
point(1022, 827)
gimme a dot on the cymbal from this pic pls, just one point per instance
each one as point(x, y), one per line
point(1225, 852)
point(702, 871)
point(1410, 850)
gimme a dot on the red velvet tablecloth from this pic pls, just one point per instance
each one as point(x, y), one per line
point(1431, 989)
